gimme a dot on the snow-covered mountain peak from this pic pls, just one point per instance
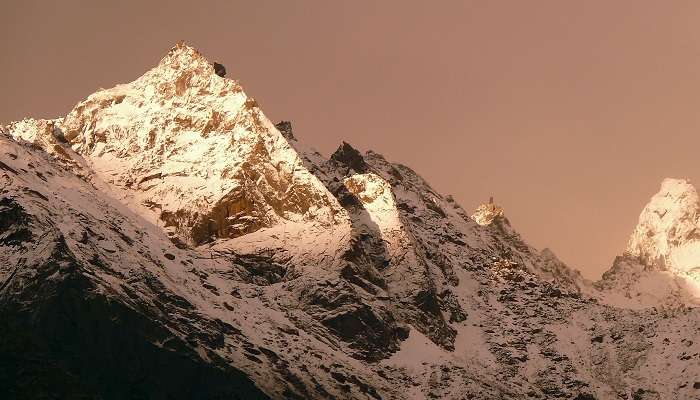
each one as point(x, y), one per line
point(187, 72)
point(182, 84)
point(184, 56)
point(189, 150)
point(661, 264)
point(668, 233)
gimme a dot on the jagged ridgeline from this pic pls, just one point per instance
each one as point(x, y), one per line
point(165, 240)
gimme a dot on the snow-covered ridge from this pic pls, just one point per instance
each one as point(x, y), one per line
point(43, 133)
point(192, 148)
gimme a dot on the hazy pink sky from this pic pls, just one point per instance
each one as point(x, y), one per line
point(570, 113)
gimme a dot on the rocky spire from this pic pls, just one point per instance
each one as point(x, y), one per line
point(285, 128)
point(349, 156)
point(486, 213)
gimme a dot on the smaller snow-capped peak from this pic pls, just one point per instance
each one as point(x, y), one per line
point(486, 213)
point(668, 234)
point(662, 261)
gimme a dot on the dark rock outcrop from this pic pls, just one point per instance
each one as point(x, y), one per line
point(351, 158)
point(219, 69)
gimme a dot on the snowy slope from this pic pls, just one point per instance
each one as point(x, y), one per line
point(58, 229)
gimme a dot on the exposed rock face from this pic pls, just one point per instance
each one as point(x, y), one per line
point(350, 157)
point(285, 128)
point(219, 70)
point(303, 277)
point(409, 280)
point(486, 213)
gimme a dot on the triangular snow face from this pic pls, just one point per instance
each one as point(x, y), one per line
point(191, 146)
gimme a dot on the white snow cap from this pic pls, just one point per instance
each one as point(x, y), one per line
point(668, 234)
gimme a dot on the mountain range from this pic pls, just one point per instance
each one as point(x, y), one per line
point(166, 240)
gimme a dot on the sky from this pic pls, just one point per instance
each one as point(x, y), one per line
point(569, 113)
